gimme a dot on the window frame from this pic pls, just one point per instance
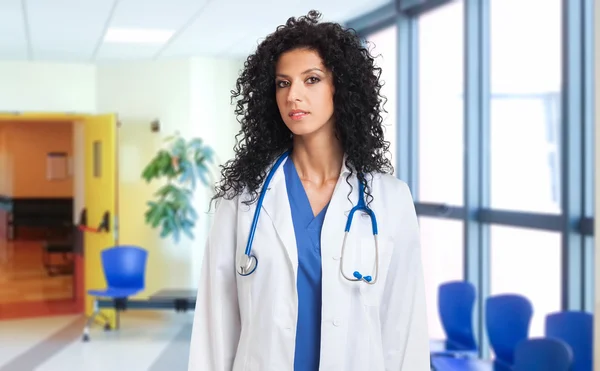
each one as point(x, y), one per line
point(576, 152)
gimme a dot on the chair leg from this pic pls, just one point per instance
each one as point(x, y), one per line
point(91, 319)
point(88, 323)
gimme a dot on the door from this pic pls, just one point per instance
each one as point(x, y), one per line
point(100, 201)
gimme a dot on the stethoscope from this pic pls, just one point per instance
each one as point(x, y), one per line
point(248, 262)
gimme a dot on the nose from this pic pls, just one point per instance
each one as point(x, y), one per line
point(294, 93)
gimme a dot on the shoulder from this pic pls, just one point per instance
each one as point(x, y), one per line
point(396, 207)
point(392, 187)
point(226, 206)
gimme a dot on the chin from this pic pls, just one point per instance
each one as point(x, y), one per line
point(304, 127)
point(302, 130)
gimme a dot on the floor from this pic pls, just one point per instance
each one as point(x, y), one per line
point(146, 341)
point(23, 277)
point(26, 288)
point(35, 333)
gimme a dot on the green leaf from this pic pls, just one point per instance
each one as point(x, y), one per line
point(171, 209)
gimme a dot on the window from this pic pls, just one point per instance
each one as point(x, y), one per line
point(440, 107)
point(442, 247)
point(525, 105)
point(527, 262)
point(383, 45)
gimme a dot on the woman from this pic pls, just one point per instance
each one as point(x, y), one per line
point(311, 93)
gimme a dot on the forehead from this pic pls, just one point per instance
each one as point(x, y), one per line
point(298, 61)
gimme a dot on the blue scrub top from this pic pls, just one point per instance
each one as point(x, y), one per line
point(307, 228)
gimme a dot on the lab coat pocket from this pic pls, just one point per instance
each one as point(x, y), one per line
point(372, 294)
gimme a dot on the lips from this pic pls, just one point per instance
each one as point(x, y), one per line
point(298, 114)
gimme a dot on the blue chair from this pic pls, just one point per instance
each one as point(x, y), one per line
point(576, 329)
point(125, 273)
point(507, 320)
point(543, 354)
point(456, 302)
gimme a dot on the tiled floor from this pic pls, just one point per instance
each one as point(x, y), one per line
point(152, 341)
point(147, 340)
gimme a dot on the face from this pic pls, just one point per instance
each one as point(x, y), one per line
point(304, 92)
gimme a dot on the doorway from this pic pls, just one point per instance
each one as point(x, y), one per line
point(36, 222)
point(55, 188)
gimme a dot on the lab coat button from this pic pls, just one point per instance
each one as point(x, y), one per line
point(337, 322)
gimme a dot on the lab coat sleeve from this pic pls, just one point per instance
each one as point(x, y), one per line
point(404, 328)
point(216, 328)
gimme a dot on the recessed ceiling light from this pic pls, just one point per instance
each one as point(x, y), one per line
point(145, 36)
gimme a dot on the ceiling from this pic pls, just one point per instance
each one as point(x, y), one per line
point(74, 30)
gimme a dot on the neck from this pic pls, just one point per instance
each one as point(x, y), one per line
point(318, 159)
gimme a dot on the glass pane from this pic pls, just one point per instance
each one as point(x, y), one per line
point(441, 105)
point(525, 105)
point(442, 245)
point(527, 262)
point(383, 46)
point(97, 159)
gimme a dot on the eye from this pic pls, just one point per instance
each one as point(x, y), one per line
point(313, 80)
point(282, 84)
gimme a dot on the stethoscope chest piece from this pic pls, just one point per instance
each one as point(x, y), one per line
point(247, 265)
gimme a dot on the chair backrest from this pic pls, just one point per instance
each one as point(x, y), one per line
point(456, 301)
point(125, 266)
point(507, 320)
point(576, 329)
point(543, 354)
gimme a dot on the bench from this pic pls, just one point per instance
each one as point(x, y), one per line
point(51, 216)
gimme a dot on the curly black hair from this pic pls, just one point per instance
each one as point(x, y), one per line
point(357, 105)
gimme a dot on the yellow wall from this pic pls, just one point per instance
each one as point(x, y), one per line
point(23, 149)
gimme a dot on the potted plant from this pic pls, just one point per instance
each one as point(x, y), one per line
point(181, 164)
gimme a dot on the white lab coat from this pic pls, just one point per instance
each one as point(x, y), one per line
point(249, 323)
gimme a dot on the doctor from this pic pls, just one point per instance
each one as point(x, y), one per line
point(325, 273)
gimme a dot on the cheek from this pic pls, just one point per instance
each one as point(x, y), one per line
point(280, 99)
point(326, 102)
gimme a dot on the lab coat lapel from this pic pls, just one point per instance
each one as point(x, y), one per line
point(277, 206)
point(339, 208)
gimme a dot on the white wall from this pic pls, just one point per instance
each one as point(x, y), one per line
point(47, 87)
point(190, 96)
point(213, 119)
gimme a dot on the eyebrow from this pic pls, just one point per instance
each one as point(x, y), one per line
point(303, 73)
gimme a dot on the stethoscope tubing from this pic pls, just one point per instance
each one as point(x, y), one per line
point(248, 262)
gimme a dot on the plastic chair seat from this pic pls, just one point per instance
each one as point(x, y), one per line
point(543, 354)
point(456, 301)
point(114, 292)
point(576, 328)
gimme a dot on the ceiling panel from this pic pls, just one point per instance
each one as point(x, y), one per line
point(13, 41)
point(118, 52)
point(73, 30)
point(221, 23)
point(161, 14)
point(75, 25)
point(243, 39)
